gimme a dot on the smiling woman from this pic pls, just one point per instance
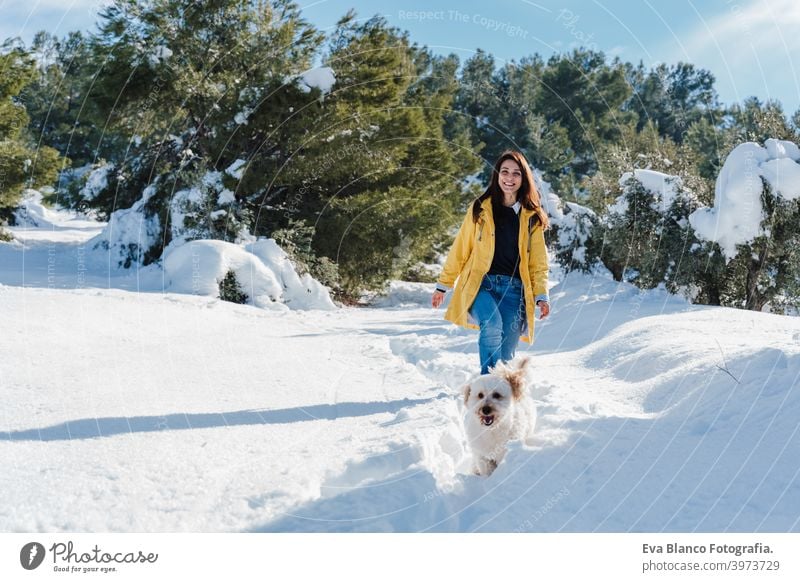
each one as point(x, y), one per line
point(498, 263)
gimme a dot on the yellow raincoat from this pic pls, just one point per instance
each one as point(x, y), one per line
point(471, 256)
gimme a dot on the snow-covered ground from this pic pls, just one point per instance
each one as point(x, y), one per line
point(127, 408)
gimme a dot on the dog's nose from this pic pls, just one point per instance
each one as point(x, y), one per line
point(486, 410)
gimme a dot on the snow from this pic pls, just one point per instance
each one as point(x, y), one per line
point(665, 186)
point(32, 214)
point(783, 175)
point(96, 182)
point(322, 78)
point(550, 200)
point(572, 221)
point(737, 213)
point(777, 148)
point(189, 206)
point(575, 227)
point(262, 269)
point(59, 249)
point(183, 204)
point(226, 197)
point(236, 169)
point(131, 408)
point(127, 225)
point(241, 117)
point(405, 294)
point(299, 291)
point(211, 179)
point(198, 268)
point(158, 55)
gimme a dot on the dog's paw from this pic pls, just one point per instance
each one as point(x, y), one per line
point(485, 467)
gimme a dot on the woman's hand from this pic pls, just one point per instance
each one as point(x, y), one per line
point(544, 308)
point(438, 297)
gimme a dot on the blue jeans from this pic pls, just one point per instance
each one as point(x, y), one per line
point(499, 309)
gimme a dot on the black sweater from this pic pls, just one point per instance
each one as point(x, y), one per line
point(506, 241)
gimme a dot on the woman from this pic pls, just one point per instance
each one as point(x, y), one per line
point(500, 262)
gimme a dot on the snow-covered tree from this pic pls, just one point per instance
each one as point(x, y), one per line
point(197, 89)
point(572, 231)
point(755, 221)
point(574, 239)
point(22, 164)
point(647, 237)
point(230, 131)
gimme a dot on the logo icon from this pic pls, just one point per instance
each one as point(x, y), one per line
point(32, 555)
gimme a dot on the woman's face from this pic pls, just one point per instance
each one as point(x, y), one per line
point(510, 177)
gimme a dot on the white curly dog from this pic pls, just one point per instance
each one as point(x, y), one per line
point(498, 409)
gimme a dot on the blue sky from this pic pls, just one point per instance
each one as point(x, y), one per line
point(751, 46)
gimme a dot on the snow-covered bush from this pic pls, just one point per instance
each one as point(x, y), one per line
point(206, 208)
point(755, 221)
point(263, 274)
point(573, 232)
point(101, 188)
point(572, 229)
point(131, 233)
point(209, 209)
point(230, 290)
point(647, 237)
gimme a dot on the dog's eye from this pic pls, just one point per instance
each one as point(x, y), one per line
point(497, 395)
point(480, 395)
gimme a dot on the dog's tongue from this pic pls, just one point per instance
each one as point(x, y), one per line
point(487, 420)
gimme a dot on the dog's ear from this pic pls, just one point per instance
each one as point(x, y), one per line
point(517, 378)
point(465, 390)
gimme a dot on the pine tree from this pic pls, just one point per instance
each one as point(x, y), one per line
point(56, 100)
point(796, 122)
point(229, 134)
point(202, 95)
point(485, 104)
point(584, 94)
point(22, 163)
point(756, 121)
point(577, 237)
point(502, 107)
point(706, 145)
point(230, 290)
point(392, 180)
point(672, 98)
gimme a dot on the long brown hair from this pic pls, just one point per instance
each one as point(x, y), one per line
point(527, 195)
